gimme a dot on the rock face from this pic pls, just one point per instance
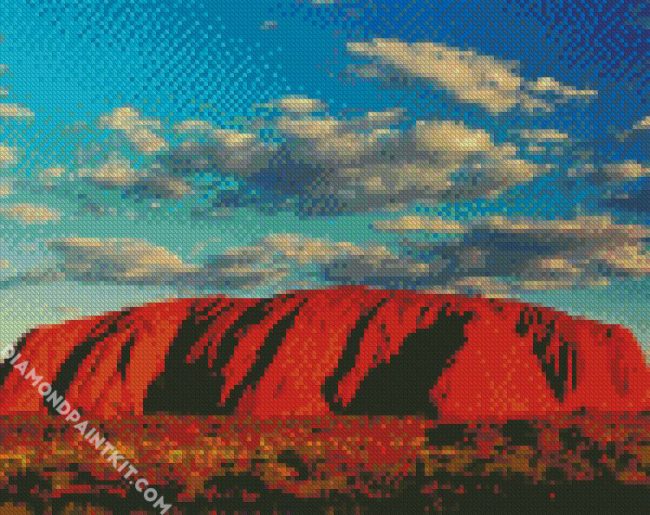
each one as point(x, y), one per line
point(337, 351)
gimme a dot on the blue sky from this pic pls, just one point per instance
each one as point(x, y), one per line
point(156, 149)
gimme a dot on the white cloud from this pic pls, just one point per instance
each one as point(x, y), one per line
point(279, 248)
point(15, 111)
point(55, 172)
point(304, 250)
point(140, 132)
point(469, 76)
point(30, 213)
point(496, 256)
point(162, 186)
point(612, 172)
point(366, 168)
point(5, 189)
point(297, 155)
point(361, 163)
point(544, 142)
point(627, 170)
point(332, 261)
point(562, 92)
point(119, 260)
point(452, 141)
point(193, 127)
point(420, 223)
point(642, 124)
point(299, 104)
point(117, 173)
point(224, 150)
point(133, 261)
point(8, 156)
point(476, 285)
point(544, 135)
point(586, 230)
point(50, 176)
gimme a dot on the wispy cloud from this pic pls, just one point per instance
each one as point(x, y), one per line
point(612, 172)
point(6, 189)
point(118, 261)
point(543, 135)
point(288, 246)
point(409, 223)
point(141, 132)
point(8, 156)
point(467, 75)
point(640, 128)
point(642, 124)
point(118, 173)
point(296, 104)
point(326, 260)
point(30, 213)
point(9, 111)
point(15, 111)
point(139, 262)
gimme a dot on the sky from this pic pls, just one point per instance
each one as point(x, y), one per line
point(151, 150)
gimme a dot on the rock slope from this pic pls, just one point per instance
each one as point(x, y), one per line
point(348, 350)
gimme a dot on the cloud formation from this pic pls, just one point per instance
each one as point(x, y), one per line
point(613, 172)
point(135, 261)
point(298, 104)
point(15, 111)
point(543, 135)
point(642, 124)
point(326, 261)
point(139, 132)
point(496, 255)
point(531, 254)
point(117, 173)
point(8, 156)
point(9, 110)
point(30, 213)
point(324, 164)
point(409, 223)
point(5, 189)
point(118, 261)
point(640, 128)
point(468, 76)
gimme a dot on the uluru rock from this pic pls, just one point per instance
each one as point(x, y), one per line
point(348, 350)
